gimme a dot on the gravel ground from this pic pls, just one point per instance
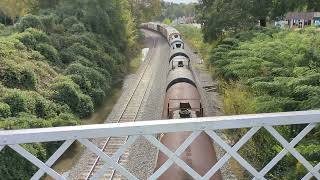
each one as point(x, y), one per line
point(77, 172)
point(142, 154)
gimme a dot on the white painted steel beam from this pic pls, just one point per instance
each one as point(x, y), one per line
point(234, 154)
point(53, 159)
point(227, 156)
point(173, 157)
point(155, 127)
point(36, 162)
point(293, 151)
point(178, 152)
point(309, 175)
point(114, 157)
point(284, 152)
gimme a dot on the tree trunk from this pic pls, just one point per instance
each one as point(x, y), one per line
point(263, 22)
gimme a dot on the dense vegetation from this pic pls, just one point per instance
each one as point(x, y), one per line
point(224, 16)
point(267, 70)
point(58, 63)
point(173, 11)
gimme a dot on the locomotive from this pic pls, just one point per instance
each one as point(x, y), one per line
point(182, 100)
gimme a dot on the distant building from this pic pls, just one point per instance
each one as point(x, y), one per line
point(302, 19)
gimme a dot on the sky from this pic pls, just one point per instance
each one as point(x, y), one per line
point(181, 1)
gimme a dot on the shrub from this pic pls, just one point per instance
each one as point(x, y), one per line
point(32, 37)
point(67, 56)
point(17, 102)
point(30, 21)
point(10, 76)
point(40, 36)
point(59, 28)
point(49, 52)
point(85, 107)
point(69, 21)
point(98, 96)
point(49, 22)
point(28, 78)
point(45, 108)
point(2, 26)
point(28, 40)
point(97, 80)
point(87, 40)
point(65, 91)
point(269, 104)
point(19, 77)
point(4, 110)
point(79, 49)
point(230, 41)
point(77, 28)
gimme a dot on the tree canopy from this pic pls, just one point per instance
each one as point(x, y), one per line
point(58, 63)
point(220, 16)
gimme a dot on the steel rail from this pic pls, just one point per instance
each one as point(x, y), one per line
point(123, 112)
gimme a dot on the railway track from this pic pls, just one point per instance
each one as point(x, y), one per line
point(128, 114)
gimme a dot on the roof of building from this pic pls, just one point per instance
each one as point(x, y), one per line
point(302, 15)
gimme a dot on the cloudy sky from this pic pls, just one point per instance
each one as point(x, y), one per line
point(181, 1)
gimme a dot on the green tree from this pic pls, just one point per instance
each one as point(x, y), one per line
point(17, 8)
point(167, 21)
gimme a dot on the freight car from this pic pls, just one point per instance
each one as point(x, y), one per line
point(182, 100)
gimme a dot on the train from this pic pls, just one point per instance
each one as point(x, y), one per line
point(182, 100)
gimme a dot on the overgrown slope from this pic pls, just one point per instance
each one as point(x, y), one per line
point(57, 67)
point(268, 70)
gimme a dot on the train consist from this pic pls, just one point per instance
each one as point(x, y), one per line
point(182, 100)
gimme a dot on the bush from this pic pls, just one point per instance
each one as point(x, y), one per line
point(4, 110)
point(87, 40)
point(85, 107)
point(39, 35)
point(65, 91)
point(45, 108)
point(30, 21)
point(77, 28)
point(98, 96)
point(19, 77)
point(10, 76)
point(97, 80)
point(28, 78)
point(2, 26)
point(230, 41)
point(32, 37)
point(49, 52)
point(49, 22)
point(17, 102)
point(69, 21)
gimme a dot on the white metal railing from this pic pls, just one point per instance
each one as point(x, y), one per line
point(148, 129)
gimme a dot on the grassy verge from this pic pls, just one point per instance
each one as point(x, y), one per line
point(193, 36)
point(135, 63)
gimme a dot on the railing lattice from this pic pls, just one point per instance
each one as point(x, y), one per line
point(148, 130)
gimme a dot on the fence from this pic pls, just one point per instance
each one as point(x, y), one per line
point(148, 130)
